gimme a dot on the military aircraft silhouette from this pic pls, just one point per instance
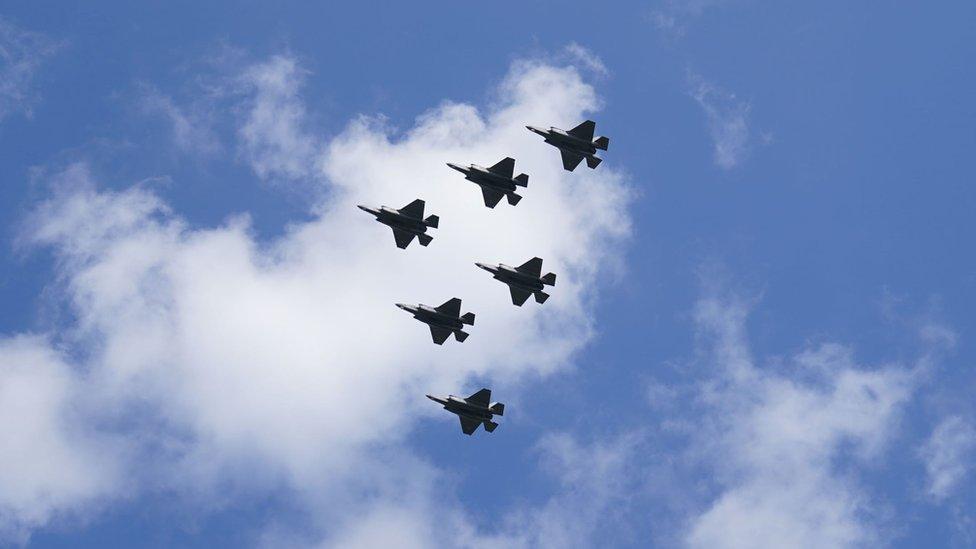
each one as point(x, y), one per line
point(473, 411)
point(496, 181)
point(524, 280)
point(576, 144)
point(407, 222)
point(443, 320)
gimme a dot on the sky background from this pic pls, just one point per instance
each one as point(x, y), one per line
point(761, 335)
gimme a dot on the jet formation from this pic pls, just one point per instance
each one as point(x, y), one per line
point(524, 280)
point(407, 222)
point(576, 144)
point(473, 411)
point(443, 320)
point(497, 182)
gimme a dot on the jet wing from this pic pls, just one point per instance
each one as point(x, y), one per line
point(469, 425)
point(403, 238)
point(571, 160)
point(481, 398)
point(584, 131)
point(414, 209)
point(439, 334)
point(451, 307)
point(519, 295)
point(532, 267)
point(506, 167)
point(492, 197)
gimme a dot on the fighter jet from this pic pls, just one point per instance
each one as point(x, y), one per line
point(523, 280)
point(443, 320)
point(473, 411)
point(576, 144)
point(496, 181)
point(407, 222)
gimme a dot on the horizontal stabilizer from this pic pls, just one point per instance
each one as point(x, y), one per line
point(541, 297)
point(602, 143)
point(460, 335)
point(513, 198)
point(467, 318)
point(432, 221)
point(549, 279)
point(497, 408)
point(490, 426)
point(593, 161)
point(522, 180)
point(424, 239)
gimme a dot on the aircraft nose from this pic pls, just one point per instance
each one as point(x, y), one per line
point(455, 167)
point(482, 266)
point(366, 209)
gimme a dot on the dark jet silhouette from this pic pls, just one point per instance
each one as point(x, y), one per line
point(443, 320)
point(407, 222)
point(576, 144)
point(523, 280)
point(473, 411)
point(496, 181)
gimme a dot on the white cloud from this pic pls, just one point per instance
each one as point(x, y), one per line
point(587, 59)
point(947, 455)
point(50, 462)
point(21, 53)
point(262, 363)
point(596, 484)
point(274, 140)
point(783, 438)
point(728, 121)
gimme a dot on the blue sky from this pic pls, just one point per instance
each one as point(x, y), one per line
point(761, 331)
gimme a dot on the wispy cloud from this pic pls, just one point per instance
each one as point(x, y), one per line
point(191, 126)
point(672, 17)
point(21, 54)
point(728, 121)
point(273, 138)
point(587, 59)
point(948, 456)
point(782, 433)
